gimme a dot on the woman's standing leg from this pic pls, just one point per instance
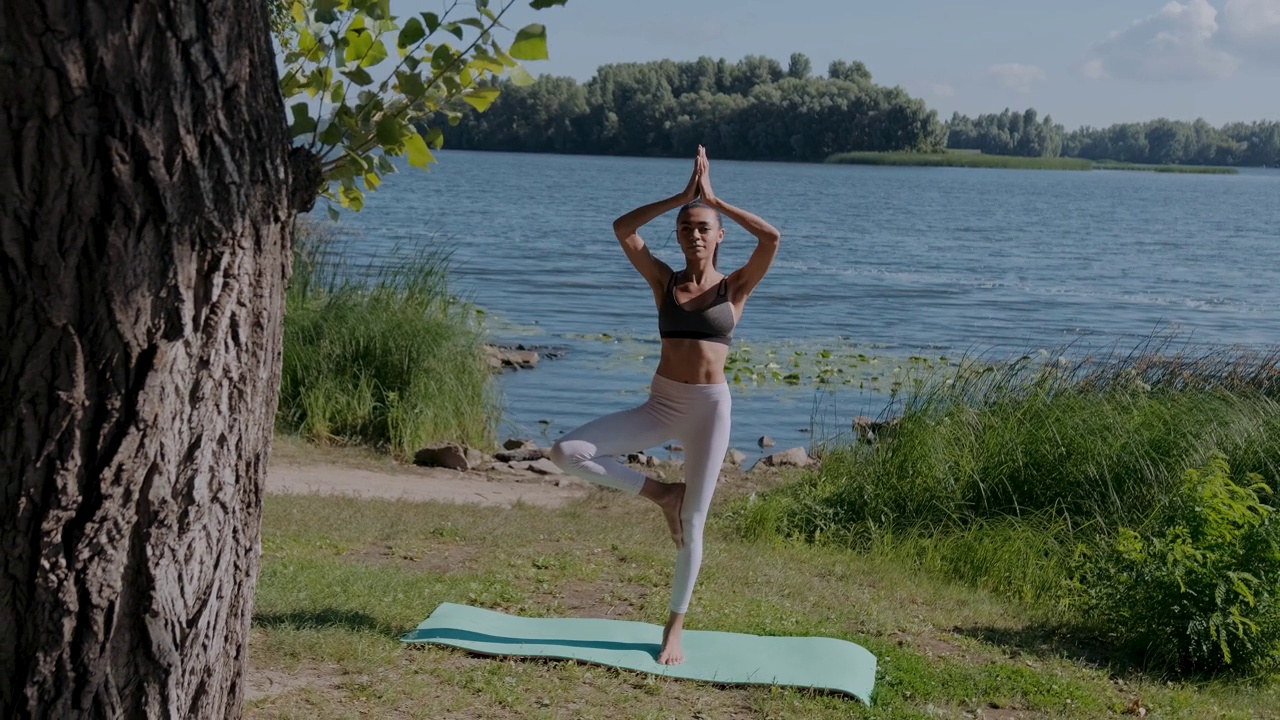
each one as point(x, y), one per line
point(705, 436)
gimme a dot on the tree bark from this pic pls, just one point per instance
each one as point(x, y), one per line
point(144, 236)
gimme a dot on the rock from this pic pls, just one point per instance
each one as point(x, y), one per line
point(475, 458)
point(870, 431)
point(500, 357)
point(795, 457)
point(675, 447)
point(735, 457)
point(637, 458)
point(544, 467)
point(765, 441)
point(651, 461)
point(446, 455)
point(521, 455)
point(519, 444)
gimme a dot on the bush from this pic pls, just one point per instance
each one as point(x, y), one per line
point(1199, 588)
point(389, 359)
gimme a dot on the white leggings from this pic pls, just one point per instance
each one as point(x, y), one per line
point(697, 416)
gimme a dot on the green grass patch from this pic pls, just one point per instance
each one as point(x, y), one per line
point(388, 359)
point(959, 159)
point(341, 579)
point(1186, 169)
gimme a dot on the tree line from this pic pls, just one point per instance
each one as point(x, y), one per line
point(752, 109)
point(757, 109)
point(1161, 141)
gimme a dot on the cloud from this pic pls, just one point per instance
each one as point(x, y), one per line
point(943, 90)
point(1017, 76)
point(1252, 27)
point(1177, 43)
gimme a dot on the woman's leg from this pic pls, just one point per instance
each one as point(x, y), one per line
point(588, 451)
point(706, 440)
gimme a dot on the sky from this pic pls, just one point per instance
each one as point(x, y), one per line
point(1087, 62)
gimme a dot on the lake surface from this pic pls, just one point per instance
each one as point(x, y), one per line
point(885, 262)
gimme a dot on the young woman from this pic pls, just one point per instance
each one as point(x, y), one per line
point(689, 401)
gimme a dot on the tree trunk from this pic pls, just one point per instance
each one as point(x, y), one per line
point(143, 254)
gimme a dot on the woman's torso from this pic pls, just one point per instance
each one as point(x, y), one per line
point(697, 326)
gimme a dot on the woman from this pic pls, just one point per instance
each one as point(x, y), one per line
point(689, 401)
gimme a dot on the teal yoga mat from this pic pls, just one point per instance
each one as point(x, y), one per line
point(719, 657)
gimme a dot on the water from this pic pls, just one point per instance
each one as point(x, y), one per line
point(891, 262)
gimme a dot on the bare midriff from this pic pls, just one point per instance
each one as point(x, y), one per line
point(694, 362)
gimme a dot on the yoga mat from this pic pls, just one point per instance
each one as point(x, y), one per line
point(718, 657)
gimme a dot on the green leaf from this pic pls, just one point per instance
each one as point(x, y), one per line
point(481, 98)
point(359, 76)
point(302, 121)
point(419, 155)
point(442, 57)
point(411, 33)
point(541, 4)
point(298, 12)
point(530, 43)
point(326, 11)
point(472, 22)
point(331, 135)
point(435, 138)
point(410, 83)
point(432, 20)
point(333, 213)
point(454, 28)
point(359, 41)
point(520, 76)
point(484, 61)
point(376, 53)
point(390, 131)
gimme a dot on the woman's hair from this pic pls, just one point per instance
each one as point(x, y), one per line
point(715, 257)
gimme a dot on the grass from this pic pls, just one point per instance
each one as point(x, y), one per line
point(997, 474)
point(966, 159)
point(387, 359)
point(959, 159)
point(341, 579)
point(1191, 169)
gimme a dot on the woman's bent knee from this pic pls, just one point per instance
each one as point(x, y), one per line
point(568, 454)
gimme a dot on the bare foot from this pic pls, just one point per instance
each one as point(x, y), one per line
point(671, 653)
point(671, 506)
point(669, 497)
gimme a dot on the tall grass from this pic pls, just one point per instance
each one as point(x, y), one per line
point(959, 159)
point(1015, 464)
point(1181, 169)
point(385, 358)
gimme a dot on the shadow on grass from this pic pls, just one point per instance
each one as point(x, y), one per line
point(1078, 644)
point(327, 618)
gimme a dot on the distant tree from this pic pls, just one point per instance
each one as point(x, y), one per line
point(850, 71)
point(799, 66)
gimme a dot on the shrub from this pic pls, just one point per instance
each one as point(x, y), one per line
point(1199, 587)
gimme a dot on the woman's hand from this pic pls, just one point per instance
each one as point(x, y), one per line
point(703, 174)
point(690, 192)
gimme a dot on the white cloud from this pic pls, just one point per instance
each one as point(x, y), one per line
point(1177, 43)
point(1017, 76)
point(943, 90)
point(1252, 27)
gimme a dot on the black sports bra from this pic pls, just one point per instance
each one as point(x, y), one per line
point(713, 323)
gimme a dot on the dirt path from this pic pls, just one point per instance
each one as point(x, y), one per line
point(408, 483)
